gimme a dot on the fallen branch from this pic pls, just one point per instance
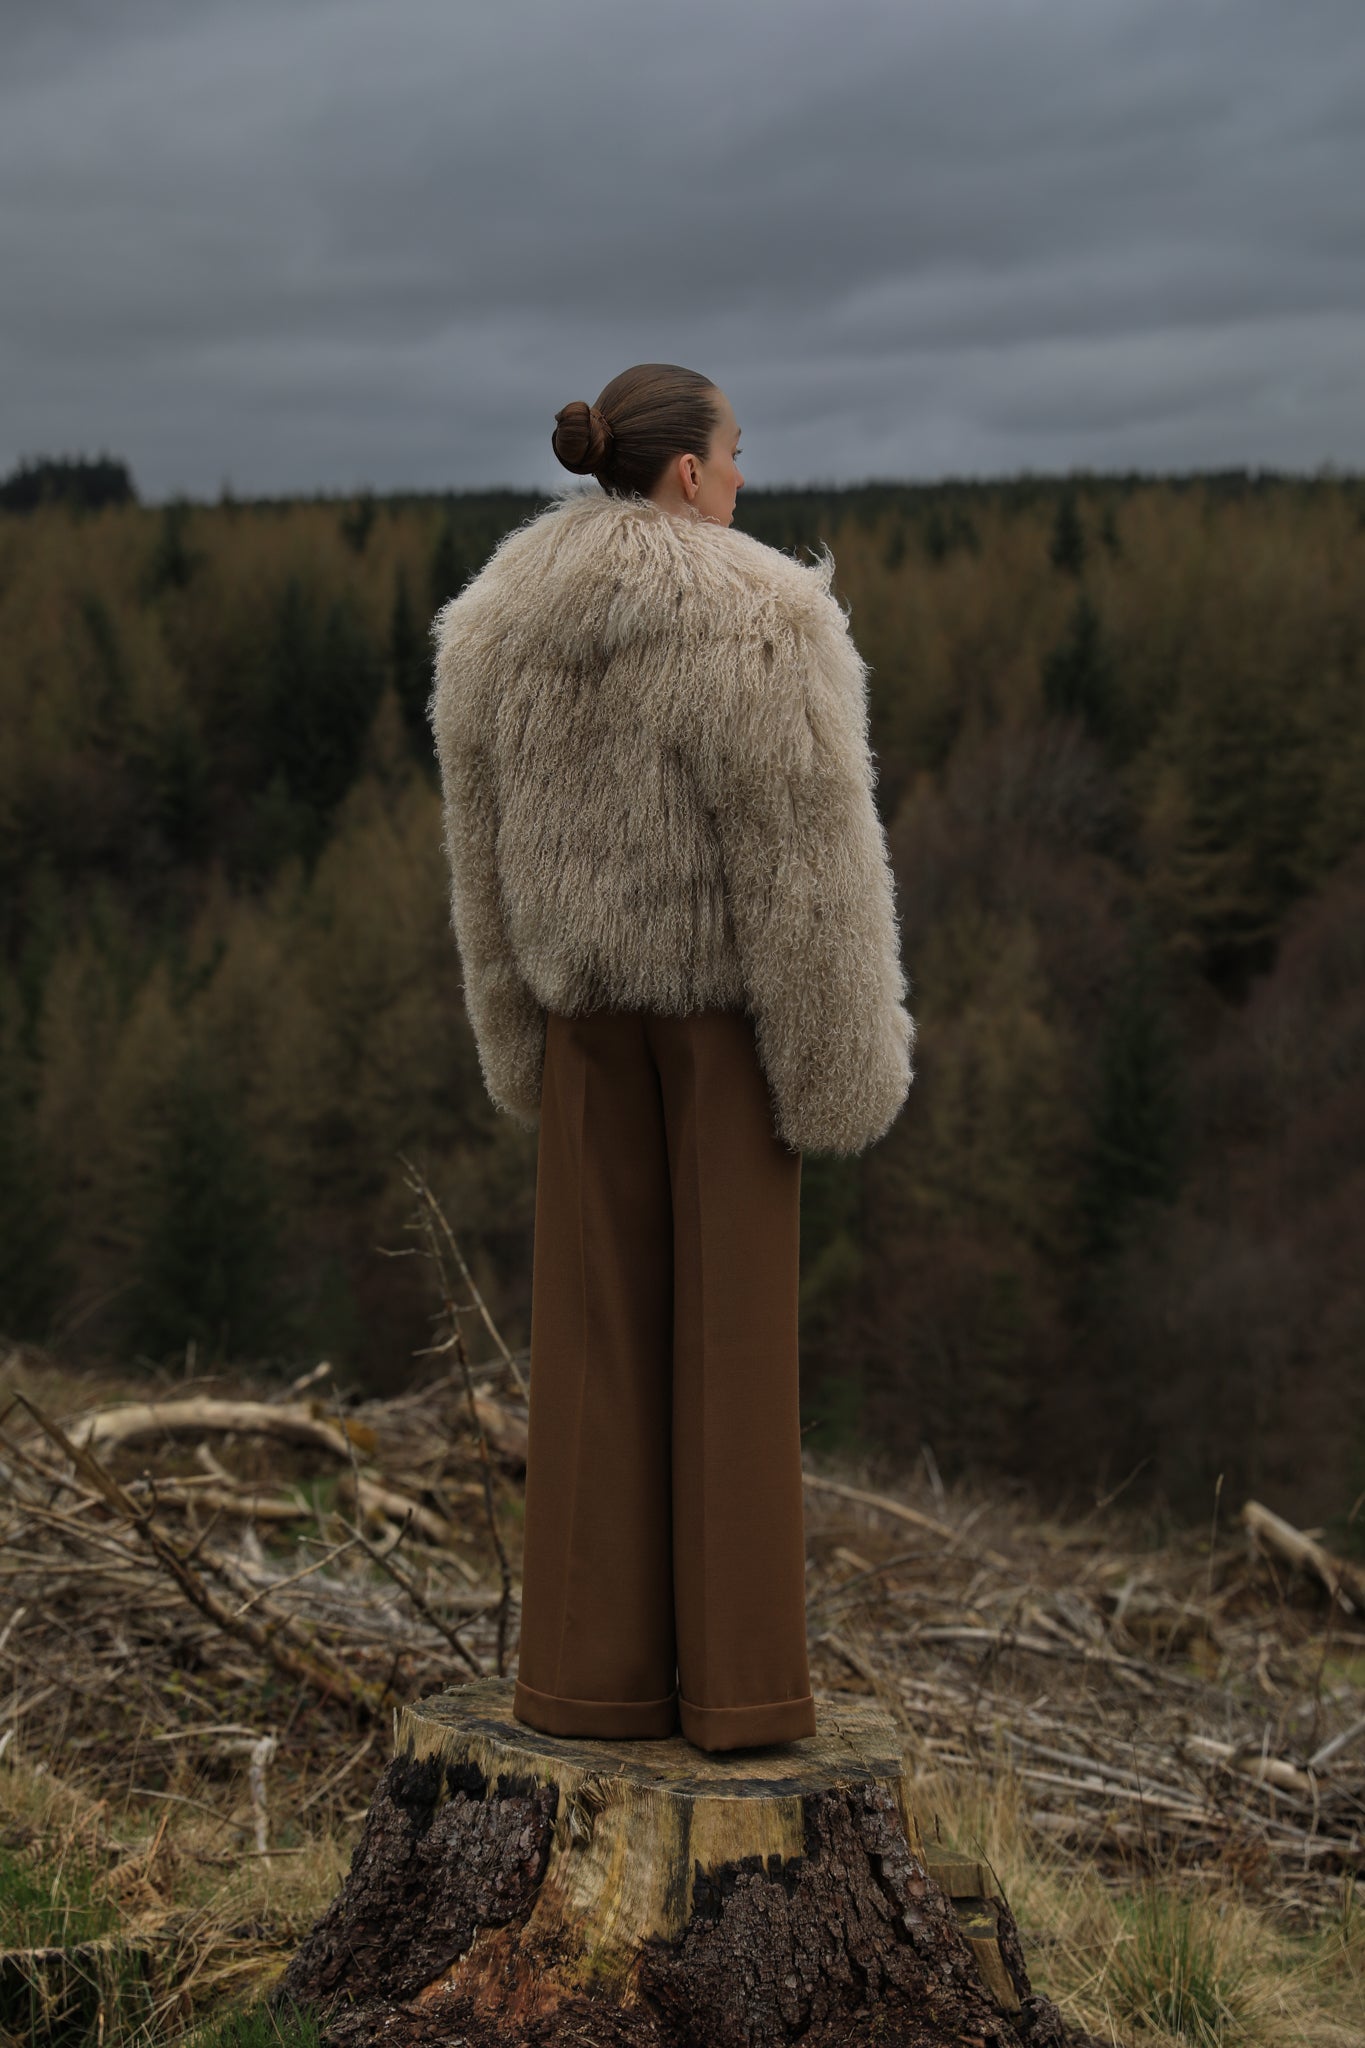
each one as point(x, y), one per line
point(135, 1420)
point(896, 1508)
point(311, 1664)
point(1344, 1585)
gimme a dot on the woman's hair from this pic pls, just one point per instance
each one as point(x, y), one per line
point(641, 420)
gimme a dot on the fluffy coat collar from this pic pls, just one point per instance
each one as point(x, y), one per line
point(599, 574)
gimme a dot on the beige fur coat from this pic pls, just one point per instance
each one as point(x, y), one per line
point(657, 792)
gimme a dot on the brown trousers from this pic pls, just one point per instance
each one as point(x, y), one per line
point(663, 1573)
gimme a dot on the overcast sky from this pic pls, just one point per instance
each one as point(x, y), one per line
point(314, 244)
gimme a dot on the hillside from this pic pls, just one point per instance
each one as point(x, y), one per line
point(1120, 722)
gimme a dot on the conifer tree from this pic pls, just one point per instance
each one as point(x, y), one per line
point(33, 1275)
point(357, 522)
point(893, 554)
point(1109, 532)
point(173, 560)
point(410, 664)
point(1067, 547)
point(1137, 1149)
point(178, 774)
point(936, 542)
point(1078, 674)
point(449, 565)
point(324, 685)
point(209, 1263)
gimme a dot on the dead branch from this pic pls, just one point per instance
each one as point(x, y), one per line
point(1345, 1585)
point(312, 1664)
point(137, 1420)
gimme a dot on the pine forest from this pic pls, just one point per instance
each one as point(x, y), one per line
point(1116, 1239)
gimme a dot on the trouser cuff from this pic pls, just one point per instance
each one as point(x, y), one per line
point(551, 1715)
point(747, 1727)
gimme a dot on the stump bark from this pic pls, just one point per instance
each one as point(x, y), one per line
point(516, 1887)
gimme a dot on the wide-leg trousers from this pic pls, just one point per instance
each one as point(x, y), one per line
point(663, 1571)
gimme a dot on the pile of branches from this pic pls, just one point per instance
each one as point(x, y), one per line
point(147, 1584)
point(269, 1577)
point(1200, 1704)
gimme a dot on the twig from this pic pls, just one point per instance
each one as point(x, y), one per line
point(314, 1664)
point(418, 1182)
point(434, 1226)
point(419, 1601)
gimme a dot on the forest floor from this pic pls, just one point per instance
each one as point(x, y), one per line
point(212, 1590)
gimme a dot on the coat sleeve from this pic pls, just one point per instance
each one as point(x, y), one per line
point(505, 1016)
point(787, 774)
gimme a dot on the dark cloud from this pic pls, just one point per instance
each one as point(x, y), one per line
point(312, 243)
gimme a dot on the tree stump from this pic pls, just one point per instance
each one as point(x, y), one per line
point(515, 1887)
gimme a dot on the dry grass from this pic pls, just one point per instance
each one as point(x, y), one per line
point(1170, 1954)
point(1154, 1742)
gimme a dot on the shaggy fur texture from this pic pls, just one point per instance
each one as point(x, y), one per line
point(657, 792)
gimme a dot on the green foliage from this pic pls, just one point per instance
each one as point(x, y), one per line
point(33, 1277)
point(176, 775)
point(1139, 1137)
point(42, 1906)
point(832, 1412)
point(323, 684)
point(111, 666)
point(1172, 1972)
point(1078, 675)
point(276, 2025)
point(211, 833)
point(173, 560)
point(1110, 538)
point(449, 568)
point(947, 530)
point(1243, 750)
point(410, 666)
point(92, 1990)
point(209, 1259)
point(78, 482)
point(33, 915)
point(1066, 549)
point(357, 522)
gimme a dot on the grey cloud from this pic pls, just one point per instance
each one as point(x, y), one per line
point(311, 244)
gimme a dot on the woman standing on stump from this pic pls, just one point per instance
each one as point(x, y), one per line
point(674, 909)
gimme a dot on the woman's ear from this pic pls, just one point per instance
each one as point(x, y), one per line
point(689, 470)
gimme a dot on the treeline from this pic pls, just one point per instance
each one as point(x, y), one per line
point(75, 480)
point(1120, 723)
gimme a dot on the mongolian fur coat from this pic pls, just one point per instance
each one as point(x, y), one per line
point(657, 793)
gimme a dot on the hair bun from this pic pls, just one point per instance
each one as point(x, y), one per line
point(582, 437)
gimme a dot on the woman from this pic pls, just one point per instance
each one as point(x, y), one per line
point(674, 909)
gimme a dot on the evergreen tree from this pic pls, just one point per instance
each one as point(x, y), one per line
point(964, 531)
point(179, 776)
point(33, 1276)
point(893, 554)
point(61, 481)
point(410, 665)
point(1109, 532)
point(449, 565)
point(1137, 1148)
point(1067, 547)
point(936, 541)
point(1078, 674)
point(324, 686)
point(831, 1237)
point(173, 560)
point(210, 1259)
point(357, 521)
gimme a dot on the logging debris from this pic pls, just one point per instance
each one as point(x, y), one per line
point(288, 1566)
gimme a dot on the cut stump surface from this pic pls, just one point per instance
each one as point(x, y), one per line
point(516, 1887)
